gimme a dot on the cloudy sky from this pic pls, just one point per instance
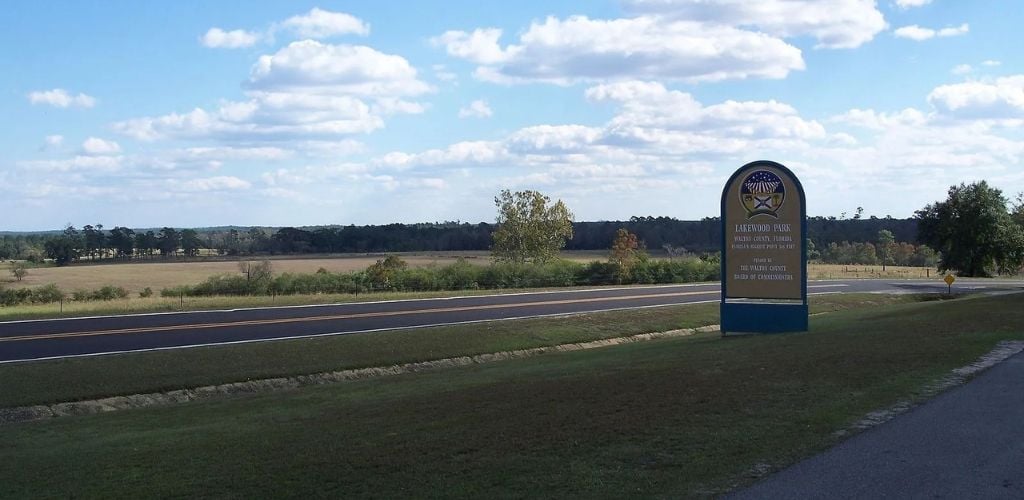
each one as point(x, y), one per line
point(195, 113)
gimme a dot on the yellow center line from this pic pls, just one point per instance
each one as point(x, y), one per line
point(199, 326)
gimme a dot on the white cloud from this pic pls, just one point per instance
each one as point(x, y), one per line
point(906, 4)
point(235, 39)
point(52, 142)
point(227, 153)
point(394, 105)
point(664, 143)
point(61, 98)
point(264, 116)
point(917, 33)
point(480, 46)
point(306, 90)
point(996, 100)
point(434, 183)
point(954, 31)
point(218, 183)
point(476, 109)
point(662, 152)
point(552, 139)
point(96, 146)
point(443, 74)
point(833, 23)
point(93, 164)
point(319, 23)
point(650, 105)
point(460, 153)
point(583, 49)
point(655, 134)
point(871, 119)
point(991, 63)
point(962, 69)
point(336, 69)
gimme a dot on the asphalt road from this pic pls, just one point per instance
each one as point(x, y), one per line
point(49, 339)
point(966, 443)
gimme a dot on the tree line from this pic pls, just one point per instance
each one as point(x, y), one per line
point(658, 234)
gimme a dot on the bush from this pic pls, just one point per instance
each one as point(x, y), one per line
point(47, 294)
point(460, 275)
point(146, 293)
point(109, 292)
point(392, 274)
point(15, 297)
point(176, 291)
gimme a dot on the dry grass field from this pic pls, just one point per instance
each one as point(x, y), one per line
point(158, 275)
point(857, 271)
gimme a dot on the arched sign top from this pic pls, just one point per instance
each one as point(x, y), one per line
point(764, 249)
point(760, 164)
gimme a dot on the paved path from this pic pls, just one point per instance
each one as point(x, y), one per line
point(967, 443)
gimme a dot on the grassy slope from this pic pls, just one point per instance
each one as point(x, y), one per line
point(91, 377)
point(675, 417)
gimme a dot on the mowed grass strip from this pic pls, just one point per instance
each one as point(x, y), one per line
point(74, 379)
point(683, 417)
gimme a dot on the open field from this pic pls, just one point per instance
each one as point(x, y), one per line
point(158, 275)
point(679, 417)
point(855, 271)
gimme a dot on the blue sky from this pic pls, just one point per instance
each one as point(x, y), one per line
point(299, 113)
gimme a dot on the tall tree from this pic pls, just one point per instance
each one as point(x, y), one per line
point(886, 246)
point(122, 240)
point(530, 227)
point(258, 240)
point(625, 253)
point(65, 248)
point(94, 241)
point(169, 241)
point(146, 243)
point(190, 242)
point(1018, 210)
point(19, 271)
point(256, 273)
point(973, 231)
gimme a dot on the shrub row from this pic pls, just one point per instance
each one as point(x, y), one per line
point(393, 275)
point(52, 293)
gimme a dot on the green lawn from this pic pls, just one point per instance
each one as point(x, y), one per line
point(677, 417)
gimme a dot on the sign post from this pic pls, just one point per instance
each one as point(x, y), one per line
point(764, 251)
point(949, 279)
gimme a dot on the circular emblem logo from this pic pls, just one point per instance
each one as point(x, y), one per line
point(762, 193)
